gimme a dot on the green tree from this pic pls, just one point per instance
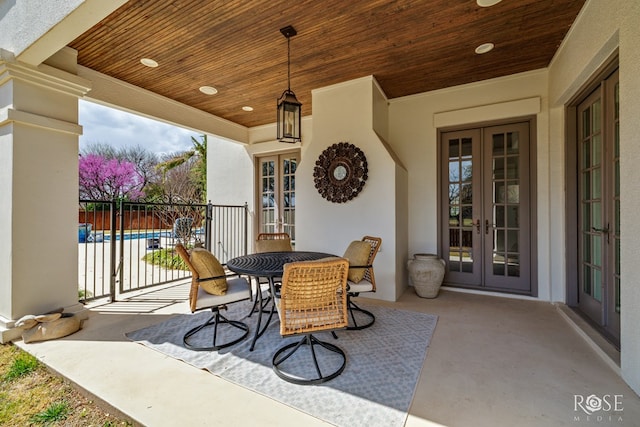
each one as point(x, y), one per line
point(196, 161)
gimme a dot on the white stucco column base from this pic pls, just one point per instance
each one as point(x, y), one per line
point(39, 191)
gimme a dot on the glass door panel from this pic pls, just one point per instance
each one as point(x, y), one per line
point(506, 207)
point(277, 194)
point(461, 250)
point(290, 164)
point(612, 209)
point(268, 196)
point(592, 229)
point(599, 212)
point(616, 197)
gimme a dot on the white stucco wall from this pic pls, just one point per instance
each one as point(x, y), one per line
point(344, 113)
point(402, 229)
point(601, 28)
point(23, 22)
point(228, 163)
point(33, 30)
point(230, 176)
point(6, 183)
point(414, 123)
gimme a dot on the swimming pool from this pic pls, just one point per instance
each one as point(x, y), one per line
point(142, 235)
point(97, 237)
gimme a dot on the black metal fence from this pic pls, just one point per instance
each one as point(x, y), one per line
point(126, 246)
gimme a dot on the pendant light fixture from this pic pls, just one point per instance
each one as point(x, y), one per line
point(289, 108)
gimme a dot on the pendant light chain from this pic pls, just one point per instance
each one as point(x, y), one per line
point(289, 63)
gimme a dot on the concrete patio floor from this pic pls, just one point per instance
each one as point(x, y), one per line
point(492, 361)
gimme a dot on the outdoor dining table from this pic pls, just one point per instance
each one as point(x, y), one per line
point(269, 265)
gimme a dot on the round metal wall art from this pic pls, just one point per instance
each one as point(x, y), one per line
point(340, 172)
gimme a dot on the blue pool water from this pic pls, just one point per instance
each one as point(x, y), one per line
point(97, 237)
point(144, 235)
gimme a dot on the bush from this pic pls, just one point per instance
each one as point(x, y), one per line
point(167, 258)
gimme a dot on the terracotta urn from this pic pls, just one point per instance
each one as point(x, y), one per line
point(426, 272)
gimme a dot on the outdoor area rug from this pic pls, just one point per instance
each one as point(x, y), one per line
point(375, 389)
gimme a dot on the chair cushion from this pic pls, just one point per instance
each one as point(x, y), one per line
point(275, 245)
point(358, 255)
point(238, 289)
point(362, 286)
point(207, 265)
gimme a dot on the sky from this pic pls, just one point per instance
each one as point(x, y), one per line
point(117, 128)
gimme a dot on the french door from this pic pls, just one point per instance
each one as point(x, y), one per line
point(599, 206)
point(485, 204)
point(277, 194)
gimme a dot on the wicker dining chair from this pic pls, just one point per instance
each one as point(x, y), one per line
point(238, 289)
point(312, 299)
point(269, 242)
point(366, 284)
point(273, 242)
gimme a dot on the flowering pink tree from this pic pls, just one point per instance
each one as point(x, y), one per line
point(108, 179)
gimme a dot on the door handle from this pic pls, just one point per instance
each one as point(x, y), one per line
point(486, 226)
point(602, 230)
point(477, 224)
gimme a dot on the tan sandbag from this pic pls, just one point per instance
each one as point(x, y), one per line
point(26, 322)
point(51, 330)
point(49, 317)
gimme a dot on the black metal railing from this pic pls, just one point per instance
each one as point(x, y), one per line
point(128, 246)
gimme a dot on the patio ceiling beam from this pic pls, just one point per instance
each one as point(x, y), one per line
point(115, 93)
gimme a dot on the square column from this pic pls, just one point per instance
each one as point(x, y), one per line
point(39, 187)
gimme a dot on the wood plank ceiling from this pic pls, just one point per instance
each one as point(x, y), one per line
point(410, 46)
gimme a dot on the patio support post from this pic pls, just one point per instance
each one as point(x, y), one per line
point(39, 186)
point(115, 266)
point(207, 225)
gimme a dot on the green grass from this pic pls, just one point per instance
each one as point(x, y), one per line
point(8, 407)
point(57, 411)
point(31, 395)
point(23, 364)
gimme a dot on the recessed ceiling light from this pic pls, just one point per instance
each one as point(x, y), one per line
point(247, 108)
point(487, 3)
point(208, 90)
point(484, 48)
point(149, 62)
